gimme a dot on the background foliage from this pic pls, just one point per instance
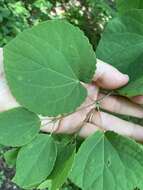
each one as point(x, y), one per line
point(89, 15)
point(15, 16)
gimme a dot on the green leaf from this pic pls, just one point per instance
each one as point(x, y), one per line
point(35, 161)
point(45, 64)
point(63, 166)
point(65, 158)
point(125, 5)
point(43, 5)
point(122, 46)
point(18, 127)
point(10, 157)
point(63, 139)
point(108, 160)
point(46, 184)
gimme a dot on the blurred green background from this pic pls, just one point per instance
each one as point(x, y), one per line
point(89, 15)
point(15, 16)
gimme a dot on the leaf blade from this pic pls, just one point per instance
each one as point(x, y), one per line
point(63, 164)
point(124, 36)
point(61, 60)
point(98, 164)
point(34, 166)
point(18, 127)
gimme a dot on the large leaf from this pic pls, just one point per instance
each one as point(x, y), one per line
point(108, 160)
point(45, 64)
point(35, 161)
point(125, 5)
point(18, 127)
point(122, 46)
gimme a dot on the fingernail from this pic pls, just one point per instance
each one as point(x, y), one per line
point(125, 77)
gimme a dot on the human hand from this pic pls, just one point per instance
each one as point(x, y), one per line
point(87, 119)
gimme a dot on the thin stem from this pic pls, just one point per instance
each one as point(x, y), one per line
point(96, 102)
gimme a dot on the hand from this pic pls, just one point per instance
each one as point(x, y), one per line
point(86, 119)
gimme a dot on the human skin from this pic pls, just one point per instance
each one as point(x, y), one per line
point(106, 77)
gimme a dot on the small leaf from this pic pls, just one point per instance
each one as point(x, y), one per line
point(18, 127)
point(125, 5)
point(122, 46)
point(35, 161)
point(63, 164)
point(108, 160)
point(45, 64)
point(10, 157)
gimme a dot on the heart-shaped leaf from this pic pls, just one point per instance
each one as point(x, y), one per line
point(45, 64)
point(122, 46)
point(108, 160)
point(18, 127)
point(35, 161)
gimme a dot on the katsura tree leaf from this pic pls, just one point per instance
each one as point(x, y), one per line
point(18, 127)
point(122, 46)
point(65, 158)
point(45, 64)
point(10, 157)
point(108, 160)
point(125, 5)
point(62, 168)
point(35, 161)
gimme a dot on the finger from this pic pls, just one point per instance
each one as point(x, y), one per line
point(1, 61)
point(121, 105)
point(112, 123)
point(137, 99)
point(88, 129)
point(66, 125)
point(108, 77)
point(7, 101)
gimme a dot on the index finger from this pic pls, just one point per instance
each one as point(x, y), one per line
point(108, 77)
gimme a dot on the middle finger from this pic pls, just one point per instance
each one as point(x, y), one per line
point(120, 105)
